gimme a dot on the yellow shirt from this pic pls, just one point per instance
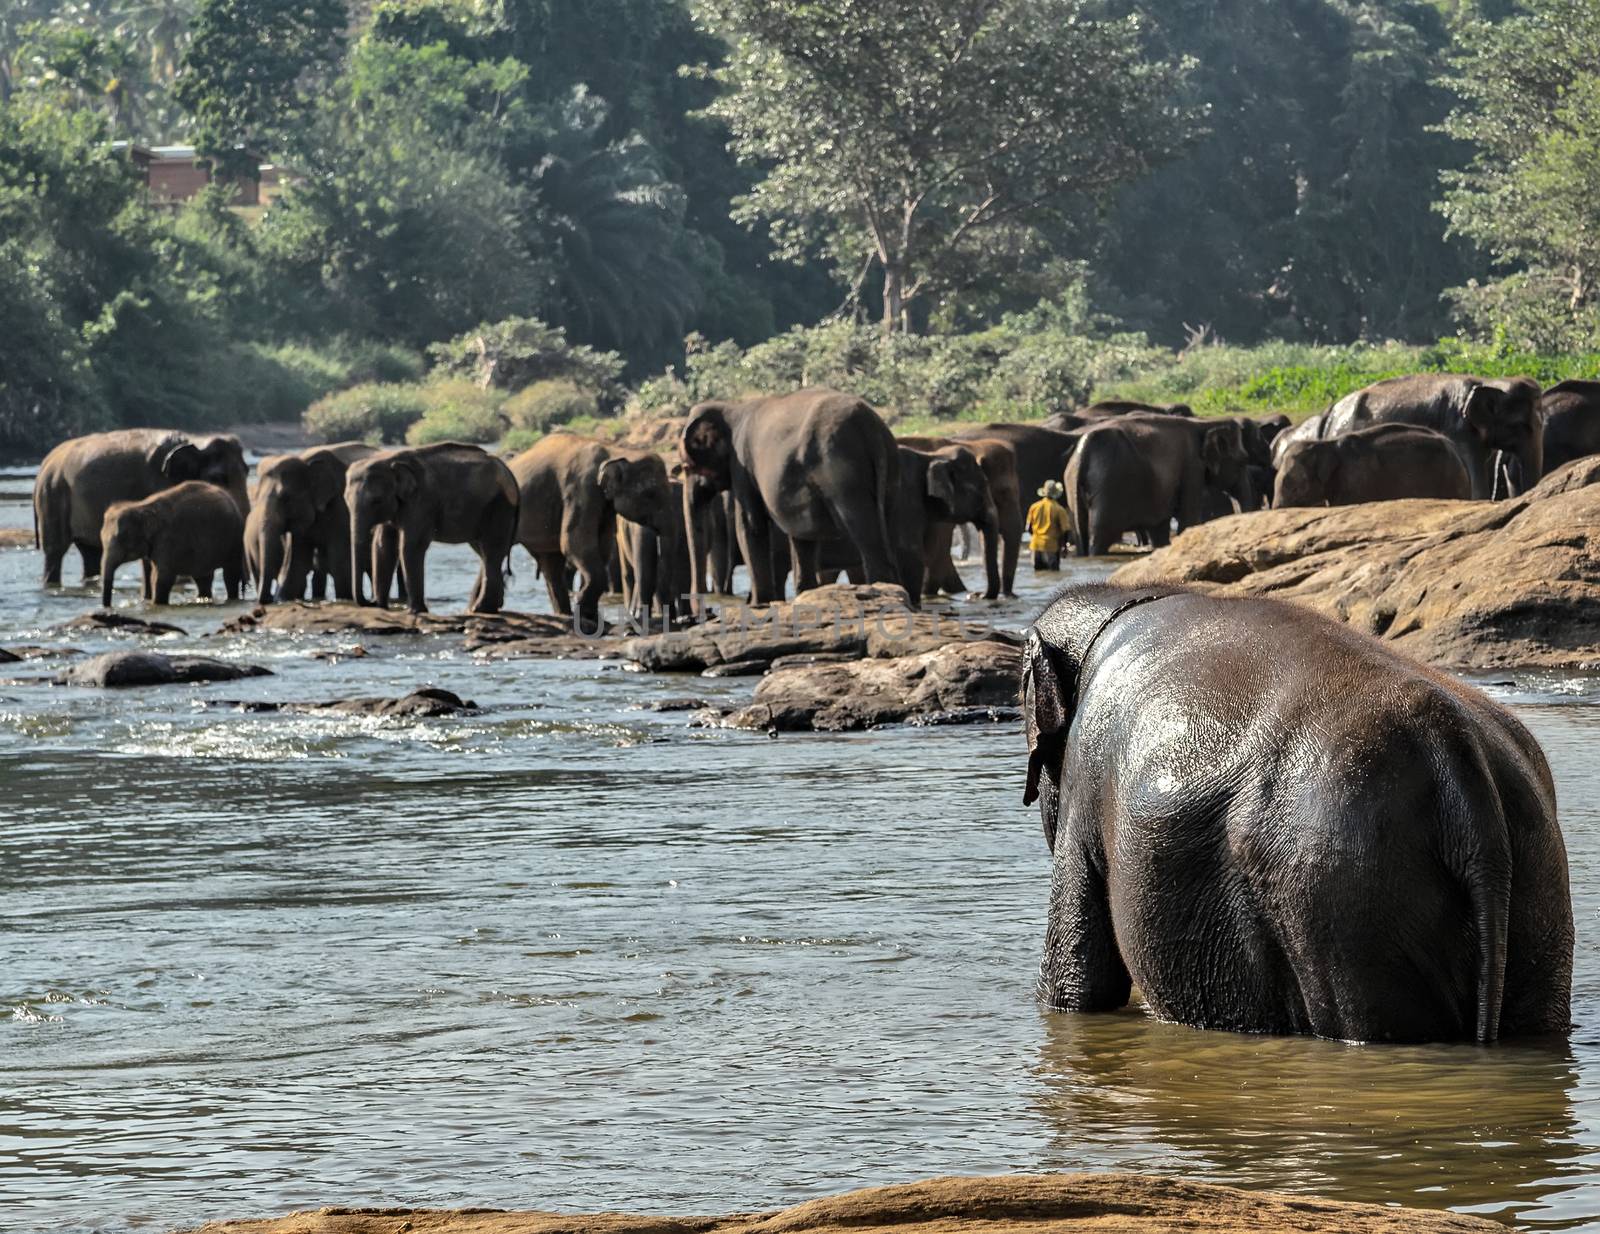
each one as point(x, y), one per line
point(1048, 522)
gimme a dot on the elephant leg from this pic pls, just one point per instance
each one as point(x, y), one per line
point(491, 589)
point(1160, 534)
point(806, 553)
point(147, 580)
point(595, 569)
point(940, 565)
point(204, 583)
point(89, 550)
point(54, 555)
point(385, 559)
point(554, 568)
point(755, 542)
point(862, 523)
point(413, 553)
point(233, 579)
point(1011, 549)
point(1082, 969)
point(164, 579)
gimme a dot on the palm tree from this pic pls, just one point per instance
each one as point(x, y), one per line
point(159, 29)
point(614, 224)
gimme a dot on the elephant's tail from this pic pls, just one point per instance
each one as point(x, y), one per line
point(1490, 897)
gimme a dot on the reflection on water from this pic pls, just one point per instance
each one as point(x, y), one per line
point(570, 953)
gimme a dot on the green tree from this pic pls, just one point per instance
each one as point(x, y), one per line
point(1529, 90)
point(251, 73)
point(920, 140)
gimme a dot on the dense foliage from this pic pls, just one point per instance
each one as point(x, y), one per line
point(503, 215)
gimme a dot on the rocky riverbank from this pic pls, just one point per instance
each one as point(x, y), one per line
point(1018, 1204)
point(1464, 585)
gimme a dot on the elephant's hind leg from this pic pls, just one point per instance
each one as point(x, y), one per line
point(89, 550)
point(1082, 969)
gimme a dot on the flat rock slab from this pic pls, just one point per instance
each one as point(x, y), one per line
point(121, 669)
point(1459, 584)
point(426, 703)
point(1015, 1204)
point(496, 636)
point(972, 681)
point(108, 619)
point(16, 537)
point(839, 622)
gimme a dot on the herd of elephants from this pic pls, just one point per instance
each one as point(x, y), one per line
point(1264, 820)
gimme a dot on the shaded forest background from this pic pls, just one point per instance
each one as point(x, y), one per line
point(510, 214)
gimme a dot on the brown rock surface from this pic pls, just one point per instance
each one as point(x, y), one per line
point(977, 681)
point(842, 620)
point(16, 537)
point(1017, 1204)
point(493, 635)
point(1466, 585)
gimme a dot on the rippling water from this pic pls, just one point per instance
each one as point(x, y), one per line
point(572, 954)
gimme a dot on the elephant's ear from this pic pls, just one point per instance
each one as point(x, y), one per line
point(1482, 410)
point(408, 477)
point(179, 460)
point(327, 477)
point(613, 476)
point(704, 438)
point(941, 482)
point(1047, 706)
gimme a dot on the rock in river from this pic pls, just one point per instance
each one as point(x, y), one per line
point(425, 703)
point(1464, 585)
point(841, 621)
point(974, 682)
point(1010, 1204)
point(116, 669)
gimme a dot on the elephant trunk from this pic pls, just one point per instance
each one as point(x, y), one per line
point(269, 556)
point(692, 527)
point(361, 526)
point(989, 525)
point(108, 570)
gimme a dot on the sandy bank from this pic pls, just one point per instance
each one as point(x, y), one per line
point(1018, 1204)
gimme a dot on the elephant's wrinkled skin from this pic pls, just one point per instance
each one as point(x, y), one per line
point(1272, 823)
point(573, 488)
point(80, 478)
point(299, 526)
point(450, 492)
point(655, 567)
point(1138, 473)
point(814, 466)
point(1571, 412)
point(1383, 463)
point(999, 462)
point(1479, 417)
point(191, 530)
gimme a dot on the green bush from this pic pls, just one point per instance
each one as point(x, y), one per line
point(458, 411)
point(545, 404)
point(511, 354)
point(519, 439)
point(379, 412)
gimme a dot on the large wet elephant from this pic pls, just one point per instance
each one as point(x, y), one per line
point(999, 462)
point(1479, 417)
point(572, 490)
point(80, 478)
point(1272, 823)
point(299, 528)
point(449, 492)
point(1138, 473)
point(814, 466)
point(191, 530)
point(1571, 411)
point(1386, 462)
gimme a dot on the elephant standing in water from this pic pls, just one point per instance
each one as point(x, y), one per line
point(298, 525)
point(81, 478)
point(191, 530)
point(1482, 419)
point(450, 492)
point(814, 466)
point(1274, 824)
point(572, 490)
point(999, 462)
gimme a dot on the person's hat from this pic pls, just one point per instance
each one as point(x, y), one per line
point(1052, 488)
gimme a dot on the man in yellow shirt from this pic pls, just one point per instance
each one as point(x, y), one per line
point(1048, 523)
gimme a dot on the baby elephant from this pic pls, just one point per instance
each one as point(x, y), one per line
point(1383, 463)
point(1272, 823)
point(192, 530)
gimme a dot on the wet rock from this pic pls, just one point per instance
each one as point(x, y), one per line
point(32, 651)
point(677, 704)
point(963, 680)
point(493, 636)
point(1101, 1203)
point(121, 669)
point(339, 618)
point(334, 654)
point(109, 619)
point(841, 622)
point(967, 715)
point(738, 668)
point(425, 703)
point(9, 657)
point(1464, 585)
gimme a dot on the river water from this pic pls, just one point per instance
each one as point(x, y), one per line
point(572, 954)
